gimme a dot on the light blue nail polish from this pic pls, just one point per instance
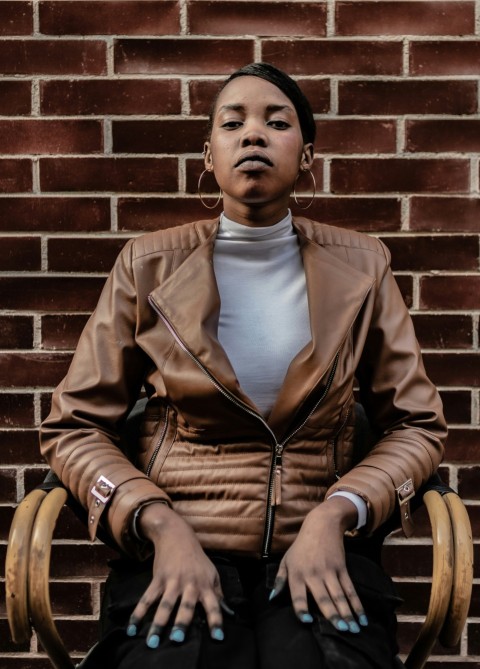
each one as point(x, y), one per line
point(306, 618)
point(131, 630)
point(353, 627)
point(153, 641)
point(272, 595)
point(363, 620)
point(217, 634)
point(342, 626)
point(177, 635)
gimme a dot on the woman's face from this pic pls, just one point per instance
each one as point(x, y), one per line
point(256, 147)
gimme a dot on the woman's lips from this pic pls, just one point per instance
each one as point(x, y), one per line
point(254, 162)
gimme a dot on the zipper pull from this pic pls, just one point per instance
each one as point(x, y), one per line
point(277, 497)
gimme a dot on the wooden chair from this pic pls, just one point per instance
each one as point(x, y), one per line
point(29, 548)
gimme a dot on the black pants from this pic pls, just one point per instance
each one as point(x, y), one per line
point(261, 635)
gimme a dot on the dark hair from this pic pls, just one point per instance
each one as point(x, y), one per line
point(286, 84)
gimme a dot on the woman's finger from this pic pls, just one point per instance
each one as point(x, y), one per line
point(184, 615)
point(211, 605)
point(353, 598)
point(162, 616)
point(280, 580)
point(149, 597)
point(298, 593)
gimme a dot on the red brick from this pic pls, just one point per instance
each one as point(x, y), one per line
point(355, 136)
point(415, 596)
point(45, 405)
point(34, 476)
point(181, 56)
point(6, 517)
point(474, 638)
point(72, 214)
point(39, 136)
point(8, 485)
point(77, 635)
point(416, 253)
point(24, 662)
point(17, 18)
point(16, 331)
point(157, 213)
point(16, 410)
point(399, 175)
point(317, 92)
point(19, 447)
point(61, 332)
point(257, 18)
point(468, 487)
point(107, 96)
point(445, 214)
point(443, 136)
point(457, 405)
point(453, 369)
point(20, 254)
point(24, 369)
point(444, 330)
point(84, 254)
point(156, 17)
point(405, 18)
point(449, 57)
point(15, 175)
point(462, 446)
point(50, 293)
point(450, 292)
point(407, 97)
point(6, 643)
point(81, 560)
point(15, 97)
point(407, 634)
point(53, 57)
point(407, 560)
point(109, 174)
point(334, 57)
point(185, 136)
point(361, 213)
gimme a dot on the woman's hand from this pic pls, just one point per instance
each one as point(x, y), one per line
point(315, 564)
point(181, 573)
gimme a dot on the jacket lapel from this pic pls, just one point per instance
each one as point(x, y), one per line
point(190, 300)
point(336, 292)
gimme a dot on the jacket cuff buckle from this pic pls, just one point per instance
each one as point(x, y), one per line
point(405, 493)
point(103, 489)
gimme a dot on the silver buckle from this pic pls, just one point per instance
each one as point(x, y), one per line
point(405, 492)
point(103, 489)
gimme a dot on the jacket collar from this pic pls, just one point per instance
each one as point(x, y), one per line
point(190, 301)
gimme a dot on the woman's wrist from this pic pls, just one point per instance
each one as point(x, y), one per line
point(151, 518)
point(339, 510)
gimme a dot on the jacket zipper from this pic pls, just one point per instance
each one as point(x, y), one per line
point(159, 444)
point(274, 486)
point(333, 444)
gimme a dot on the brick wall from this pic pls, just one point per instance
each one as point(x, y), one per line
point(102, 115)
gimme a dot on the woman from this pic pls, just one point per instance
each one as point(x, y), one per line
point(247, 334)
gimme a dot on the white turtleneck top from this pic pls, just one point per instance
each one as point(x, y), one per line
point(264, 320)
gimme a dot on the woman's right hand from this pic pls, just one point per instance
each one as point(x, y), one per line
point(181, 573)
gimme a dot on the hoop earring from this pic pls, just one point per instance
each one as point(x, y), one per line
point(313, 194)
point(207, 206)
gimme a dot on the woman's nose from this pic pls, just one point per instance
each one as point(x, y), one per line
point(254, 135)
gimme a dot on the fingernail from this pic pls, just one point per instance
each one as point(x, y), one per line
point(306, 618)
point(273, 594)
point(177, 634)
point(353, 627)
point(217, 634)
point(131, 630)
point(153, 641)
point(341, 625)
point(363, 620)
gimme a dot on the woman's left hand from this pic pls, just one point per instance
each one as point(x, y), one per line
point(315, 564)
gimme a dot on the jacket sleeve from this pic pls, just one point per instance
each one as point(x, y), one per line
point(80, 437)
point(403, 406)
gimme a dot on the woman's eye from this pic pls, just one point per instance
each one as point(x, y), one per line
point(230, 125)
point(279, 125)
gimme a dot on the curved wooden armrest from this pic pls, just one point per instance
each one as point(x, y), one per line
point(442, 580)
point(462, 571)
point(16, 566)
point(38, 578)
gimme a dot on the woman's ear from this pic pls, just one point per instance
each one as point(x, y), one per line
point(207, 157)
point(307, 157)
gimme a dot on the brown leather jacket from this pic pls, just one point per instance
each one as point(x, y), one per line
point(244, 484)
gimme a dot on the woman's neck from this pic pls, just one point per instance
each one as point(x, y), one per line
point(255, 216)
